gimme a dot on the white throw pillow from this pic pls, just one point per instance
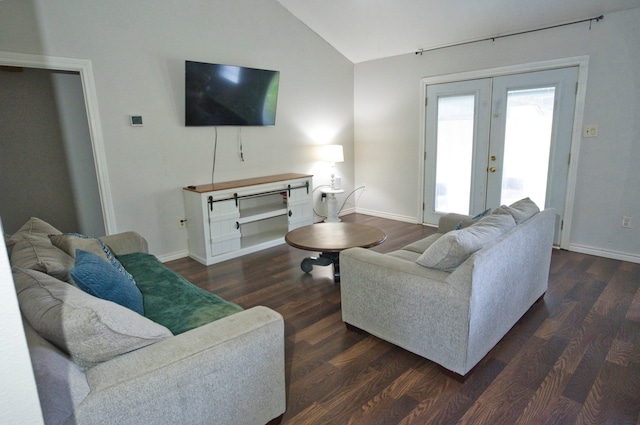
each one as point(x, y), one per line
point(454, 247)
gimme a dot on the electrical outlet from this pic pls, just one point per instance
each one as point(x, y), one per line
point(590, 131)
point(182, 223)
point(626, 221)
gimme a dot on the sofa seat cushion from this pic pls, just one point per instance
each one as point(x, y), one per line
point(87, 328)
point(421, 246)
point(454, 247)
point(170, 299)
point(404, 254)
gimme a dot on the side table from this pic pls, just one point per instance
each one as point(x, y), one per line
point(332, 204)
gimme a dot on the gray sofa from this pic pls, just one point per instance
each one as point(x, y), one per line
point(126, 369)
point(447, 303)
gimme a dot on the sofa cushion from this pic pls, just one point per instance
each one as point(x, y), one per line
point(472, 220)
point(421, 245)
point(404, 254)
point(89, 329)
point(521, 210)
point(37, 253)
point(170, 299)
point(71, 242)
point(97, 277)
point(454, 247)
point(35, 227)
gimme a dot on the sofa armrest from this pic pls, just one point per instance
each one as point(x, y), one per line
point(222, 372)
point(449, 221)
point(126, 243)
point(414, 307)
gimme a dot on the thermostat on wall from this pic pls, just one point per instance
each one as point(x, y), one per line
point(135, 120)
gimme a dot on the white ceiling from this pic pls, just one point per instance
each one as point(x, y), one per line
point(364, 30)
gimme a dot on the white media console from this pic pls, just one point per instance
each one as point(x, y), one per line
point(229, 219)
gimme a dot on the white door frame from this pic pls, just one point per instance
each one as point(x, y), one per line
point(85, 69)
point(582, 62)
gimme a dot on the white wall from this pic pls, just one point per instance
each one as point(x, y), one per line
point(19, 402)
point(387, 125)
point(138, 51)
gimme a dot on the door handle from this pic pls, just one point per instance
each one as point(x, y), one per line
point(492, 169)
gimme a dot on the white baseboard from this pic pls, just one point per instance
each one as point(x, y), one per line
point(615, 255)
point(347, 211)
point(173, 256)
point(381, 214)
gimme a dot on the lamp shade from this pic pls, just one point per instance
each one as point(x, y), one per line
point(332, 153)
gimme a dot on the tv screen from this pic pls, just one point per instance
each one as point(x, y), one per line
point(218, 95)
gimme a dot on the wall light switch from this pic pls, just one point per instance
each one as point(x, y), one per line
point(135, 120)
point(590, 131)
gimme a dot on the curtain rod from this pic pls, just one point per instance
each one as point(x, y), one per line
point(495, 37)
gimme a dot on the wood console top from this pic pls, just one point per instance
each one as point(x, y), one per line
point(203, 188)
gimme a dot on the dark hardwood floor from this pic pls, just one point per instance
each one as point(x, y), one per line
point(572, 359)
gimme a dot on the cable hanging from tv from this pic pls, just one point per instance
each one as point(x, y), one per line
point(240, 149)
point(495, 37)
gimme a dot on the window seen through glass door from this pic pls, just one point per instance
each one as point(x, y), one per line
point(454, 152)
point(527, 144)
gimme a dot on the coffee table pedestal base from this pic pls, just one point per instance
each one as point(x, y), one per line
point(325, 259)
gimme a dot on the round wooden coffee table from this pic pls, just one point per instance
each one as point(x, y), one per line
point(331, 238)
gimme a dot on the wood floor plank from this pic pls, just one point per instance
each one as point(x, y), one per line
point(547, 394)
point(614, 394)
point(314, 414)
point(574, 357)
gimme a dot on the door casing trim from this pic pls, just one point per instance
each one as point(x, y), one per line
point(582, 62)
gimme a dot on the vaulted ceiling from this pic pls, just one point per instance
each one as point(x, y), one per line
point(364, 30)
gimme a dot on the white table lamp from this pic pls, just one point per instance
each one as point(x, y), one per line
point(333, 154)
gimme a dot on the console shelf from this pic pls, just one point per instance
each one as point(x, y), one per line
point(229, 219)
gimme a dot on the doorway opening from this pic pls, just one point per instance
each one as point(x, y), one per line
point(80, 71)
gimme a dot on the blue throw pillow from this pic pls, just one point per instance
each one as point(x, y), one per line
point(99, 278)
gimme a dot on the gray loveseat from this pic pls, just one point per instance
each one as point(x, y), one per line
point(452, 302)
point(96, 362)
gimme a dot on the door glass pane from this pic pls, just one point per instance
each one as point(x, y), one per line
point(454, 151)
point(527, 145)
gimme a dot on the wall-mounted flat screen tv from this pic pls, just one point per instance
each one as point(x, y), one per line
point(219, 95)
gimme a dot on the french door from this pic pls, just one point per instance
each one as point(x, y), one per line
point(492, 141)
